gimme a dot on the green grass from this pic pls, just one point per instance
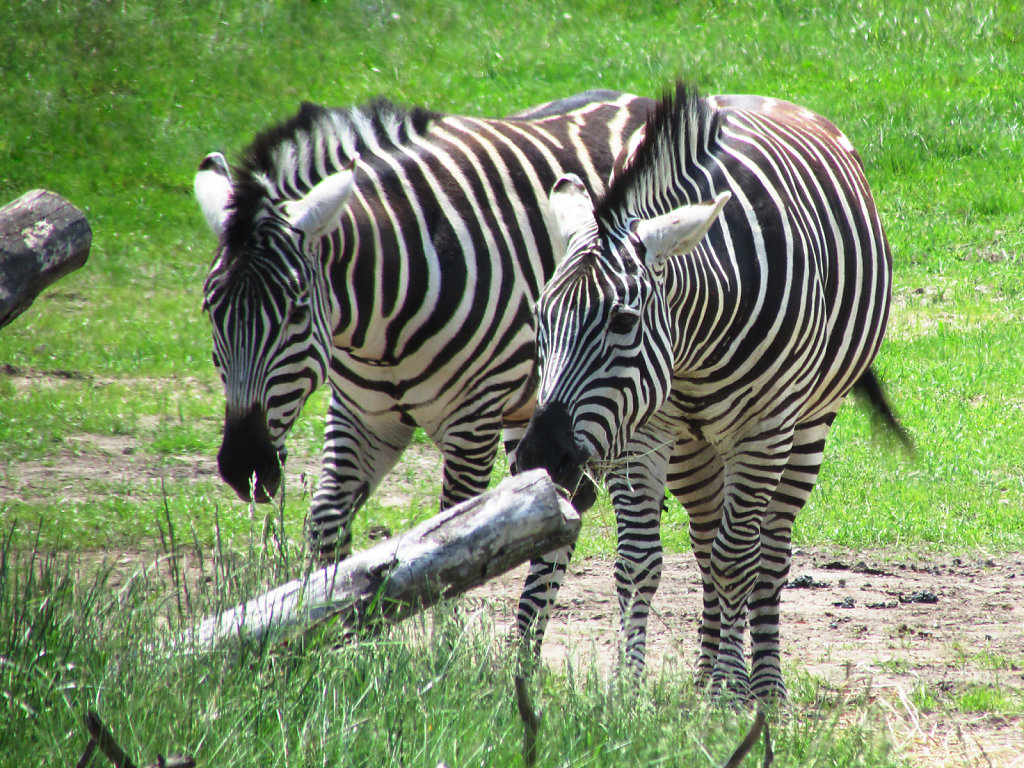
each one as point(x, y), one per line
point(110, 409)
point(970, 699)
point(79, 635)
point(929, 96)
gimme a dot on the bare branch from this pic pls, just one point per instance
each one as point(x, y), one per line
point(531, 721)
point(105, 739)
point(760, 724)
point(459, 549)
point(100, 736)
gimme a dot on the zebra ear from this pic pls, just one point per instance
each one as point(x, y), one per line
point(572, 208)
point(678, 232)
point(212, 188)
point(321, 207)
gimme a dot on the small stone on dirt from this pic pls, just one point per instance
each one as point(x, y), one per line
point(806, 581)
point(921, 596)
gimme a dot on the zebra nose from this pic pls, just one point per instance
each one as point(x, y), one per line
point(549, 444)
point(248, 460)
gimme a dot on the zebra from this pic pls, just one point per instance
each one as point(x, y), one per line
point(713, 310)
point(396, 253)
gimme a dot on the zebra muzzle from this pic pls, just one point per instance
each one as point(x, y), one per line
point(248, 459)
point(549, 444)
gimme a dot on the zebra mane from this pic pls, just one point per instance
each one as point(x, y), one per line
point(285, 161)
point(682, 129)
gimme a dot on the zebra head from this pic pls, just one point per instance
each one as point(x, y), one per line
point(268, 303)
point(604, 339)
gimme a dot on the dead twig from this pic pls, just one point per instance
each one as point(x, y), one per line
point(531, 721)
point(100, 736)
point(83, 761)
point(760, 724)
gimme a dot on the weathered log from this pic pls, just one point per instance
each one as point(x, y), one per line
point(459, 549)
point(43, 237)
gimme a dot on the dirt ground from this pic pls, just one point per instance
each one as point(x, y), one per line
point(876, 630)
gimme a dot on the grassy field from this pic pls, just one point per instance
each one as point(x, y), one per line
point(110, 408)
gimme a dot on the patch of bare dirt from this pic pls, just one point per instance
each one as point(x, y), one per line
point(872, 629)
point(94, 458)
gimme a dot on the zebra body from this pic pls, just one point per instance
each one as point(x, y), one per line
point(712, 313)
point(397, 254)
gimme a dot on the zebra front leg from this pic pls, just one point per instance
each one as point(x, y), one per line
point(358, 453)
point(538, 598)
point(469, 448)
point(794, 489)
point(752, 475)
point(545, 576)
point(637, 490)
point(696, 478)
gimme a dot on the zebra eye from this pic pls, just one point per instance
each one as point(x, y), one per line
point(623, 319)
point(299, 310)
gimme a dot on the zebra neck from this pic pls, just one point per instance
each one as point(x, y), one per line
point(707, 305)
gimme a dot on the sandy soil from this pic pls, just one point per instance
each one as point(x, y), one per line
point(873, 628)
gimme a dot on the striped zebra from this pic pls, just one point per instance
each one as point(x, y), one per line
point(396, 253)
point(713, 310)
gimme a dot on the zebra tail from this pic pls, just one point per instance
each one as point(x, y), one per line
point(869, 387)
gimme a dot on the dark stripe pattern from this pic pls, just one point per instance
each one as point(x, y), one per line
point(415, 303)
point(715, 373)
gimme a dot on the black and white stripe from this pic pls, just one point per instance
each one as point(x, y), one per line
point(396, 253)
point(713, 311)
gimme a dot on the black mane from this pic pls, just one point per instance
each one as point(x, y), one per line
point(649, 184)
point(259, 177)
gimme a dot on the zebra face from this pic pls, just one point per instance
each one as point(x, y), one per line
point(604, 338)
point(268, 305)
point(604, 359)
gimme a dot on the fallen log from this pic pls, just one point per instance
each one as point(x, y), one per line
point(459, 549)
point(43, 237)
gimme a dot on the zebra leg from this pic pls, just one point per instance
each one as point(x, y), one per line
point(469, 448)
point(358, 453)
point(545, 576)
point(794, 488)
point(695, 477)
point(752, 474)
point(638, 494)
point(538, 597)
